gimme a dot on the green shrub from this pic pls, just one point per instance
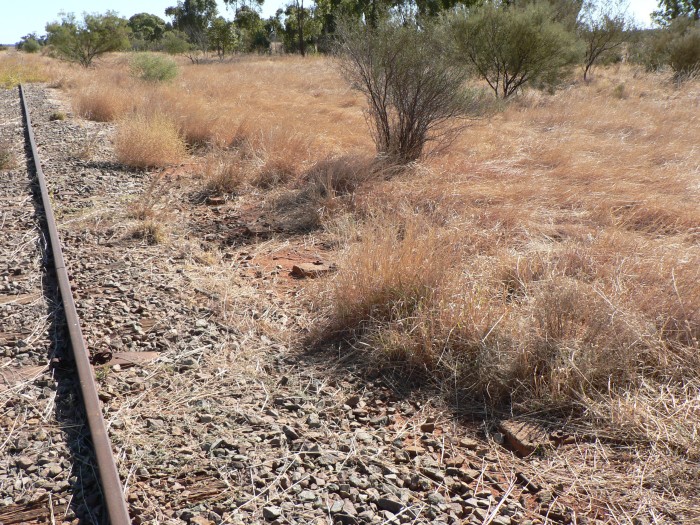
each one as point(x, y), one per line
point(31, 46)
point(513, 46)
point(684, 54)
point(153, 68)
point(677, 46)
point(175, 43)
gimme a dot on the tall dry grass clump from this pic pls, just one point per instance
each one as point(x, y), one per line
point(103, 103)
point(148, 141)
point(393, 279)
point(546, 330)
point(574, 283)
point(225, 172)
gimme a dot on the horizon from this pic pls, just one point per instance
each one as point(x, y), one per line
point(33, 17)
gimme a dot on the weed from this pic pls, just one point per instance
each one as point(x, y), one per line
point(153, 68)
point(149, 231)
point(88, 147)
point(224, 173)
point(619, 92)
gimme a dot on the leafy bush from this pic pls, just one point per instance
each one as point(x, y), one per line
point(684, 53)
point(513, 46)
point(31, 46)
point(414, 93)
point(175, 43)
point(84, 41)
point(153, 68)
point(675, 45)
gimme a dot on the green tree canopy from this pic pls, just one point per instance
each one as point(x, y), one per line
point(84, 40)
point(223, 37)
point(673, 9)
point(30, 43)
point(512, 46)
point(193, 17)
point(146, 26)
point(252, 28)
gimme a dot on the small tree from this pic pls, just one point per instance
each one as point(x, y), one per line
point(83, 41)
point(684, 54)
point(512, 46)
point(415, 95)
point(223, 37)
point(175, 43)
point(251, 28)
point(146, 30)
point(30, 43)
point(602, 30)
point(301, 28)
point(670, 10)
point(193, 17)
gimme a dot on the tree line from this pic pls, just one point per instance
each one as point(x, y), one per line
point(493, 36)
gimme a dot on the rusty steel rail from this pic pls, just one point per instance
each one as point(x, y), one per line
point(109, 476)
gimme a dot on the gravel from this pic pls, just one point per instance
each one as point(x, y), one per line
point(43, 435)
point(231, 423)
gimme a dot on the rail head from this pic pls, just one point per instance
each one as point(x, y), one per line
point(113, 492)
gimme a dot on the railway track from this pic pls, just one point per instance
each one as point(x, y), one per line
point(50, 461)
point(228, 424)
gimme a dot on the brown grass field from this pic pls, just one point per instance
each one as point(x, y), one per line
point(547, 264)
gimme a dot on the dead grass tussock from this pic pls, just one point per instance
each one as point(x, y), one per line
point(102, 102)
point(149, 231)
point(281, 155)
point(577, 263)
point(147, 142)
point(225, 172)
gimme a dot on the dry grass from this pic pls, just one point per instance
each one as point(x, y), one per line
point(102, 103)
point(576, 282)
point(148, 141)
point(17, 68)
point(149, 231)
point(547, 263)
point(225, 172)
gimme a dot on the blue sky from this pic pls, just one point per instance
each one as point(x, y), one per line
point(25, 16)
